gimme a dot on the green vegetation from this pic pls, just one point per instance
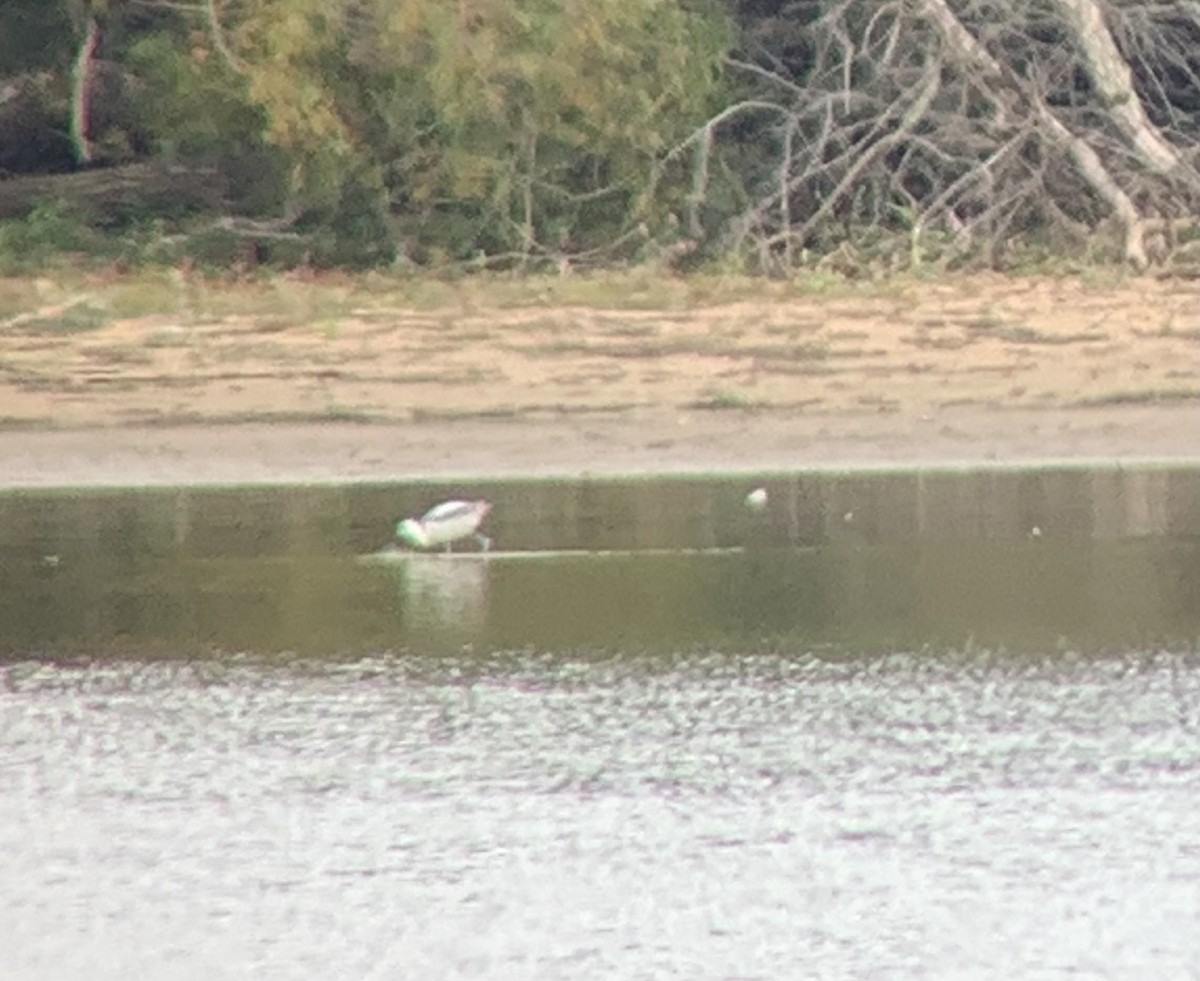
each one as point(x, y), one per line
point(270, 301)
point(834, 142)
point(723, 398)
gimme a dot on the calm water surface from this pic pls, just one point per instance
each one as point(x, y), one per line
point(885, 730)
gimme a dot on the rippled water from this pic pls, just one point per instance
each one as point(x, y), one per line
point(537, 816)
point(932, 727)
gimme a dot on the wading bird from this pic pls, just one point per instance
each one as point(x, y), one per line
point(444, 524)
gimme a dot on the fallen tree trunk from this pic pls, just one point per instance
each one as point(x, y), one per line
point(1113, 79)
point(115, 194)
point(1009, 94)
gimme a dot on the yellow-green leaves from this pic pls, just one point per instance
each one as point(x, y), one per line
point(513, 112)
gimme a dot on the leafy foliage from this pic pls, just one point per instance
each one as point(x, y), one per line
point(198, 110)
point(35, 35)
point(501, 134)
point(46, 231)
point(489, 126)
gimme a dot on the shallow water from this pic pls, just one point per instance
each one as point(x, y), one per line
point(1020, 596)
point(1096, 558)
point(883, 730)
point(549, 816)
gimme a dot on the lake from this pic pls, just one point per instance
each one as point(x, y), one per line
point(919, 724)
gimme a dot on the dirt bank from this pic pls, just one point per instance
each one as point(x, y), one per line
point(347, 384)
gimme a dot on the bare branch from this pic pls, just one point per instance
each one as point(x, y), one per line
point(1114, 81)
point(1086, 159)
point(911, 117)
point(218, 37)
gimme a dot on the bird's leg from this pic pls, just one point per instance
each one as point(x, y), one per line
point(485, 543)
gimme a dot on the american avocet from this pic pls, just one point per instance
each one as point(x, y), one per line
point(445, 523)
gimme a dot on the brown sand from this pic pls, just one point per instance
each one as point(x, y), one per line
point(962, 371)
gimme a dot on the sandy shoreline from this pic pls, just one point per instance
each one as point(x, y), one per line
point(648, 442)
point(341, 380)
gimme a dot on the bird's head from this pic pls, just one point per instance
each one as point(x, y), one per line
point(411, 533)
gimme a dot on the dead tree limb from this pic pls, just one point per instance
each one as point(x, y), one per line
point(1113, 79)
point(912, 115)
point(1088, 162)
point(1050, 120)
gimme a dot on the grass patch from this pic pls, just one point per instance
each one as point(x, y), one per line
point(182, 417)
point(119, 354)
point(75, 319)
point(327, 296)
point(285, 301)
point(640, 288)
point(1170, 332)
point(631, 331)
point(637, 289)
point(18, 295)
point(794, 329)
point(805, 351)
point(11, 423)
point(169, 335)
point(631, 350)
point(325, 301)
point(452, 414)
point(145, 295)
point(925, 342)
point(1149, 396)
point(723, 399)
point(1020, 334)
point(798, 369)
point(1101, 276)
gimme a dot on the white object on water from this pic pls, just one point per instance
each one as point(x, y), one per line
point(756, 500)
point(444, 524)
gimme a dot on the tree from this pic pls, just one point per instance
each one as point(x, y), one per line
point(555, 131)
point(965, 122)
point(523, 128)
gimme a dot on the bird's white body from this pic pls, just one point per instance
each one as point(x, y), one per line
point(444, 524)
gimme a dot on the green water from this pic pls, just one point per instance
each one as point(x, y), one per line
point(1024, 560)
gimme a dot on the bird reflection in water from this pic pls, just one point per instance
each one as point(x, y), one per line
point(443, 600)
